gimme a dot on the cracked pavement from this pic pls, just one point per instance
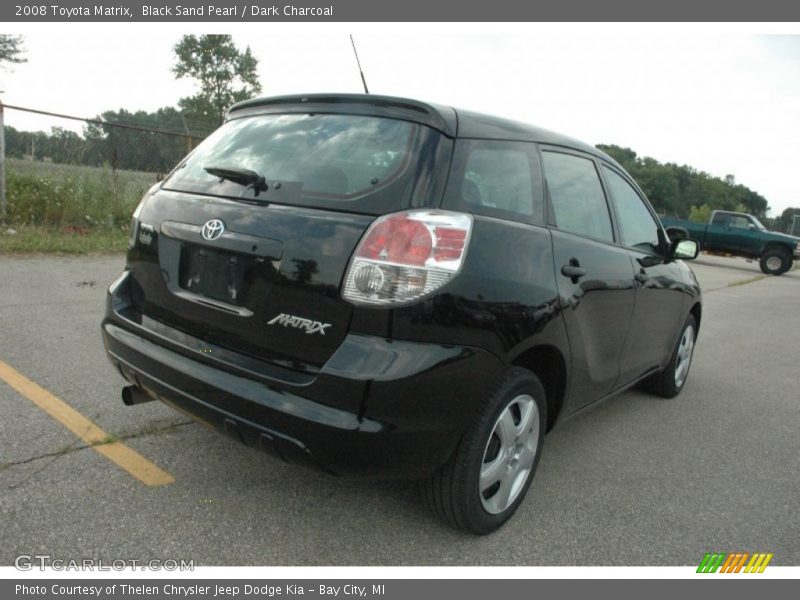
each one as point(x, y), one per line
point(636, 480)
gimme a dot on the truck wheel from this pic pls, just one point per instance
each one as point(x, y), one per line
point(669, 382)
point(775, 262)
point(494, 463)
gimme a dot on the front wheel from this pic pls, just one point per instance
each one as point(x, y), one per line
point(488, 476)
point(669, 382)
point(775, 262)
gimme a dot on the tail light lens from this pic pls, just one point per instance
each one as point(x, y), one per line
point(134, 229)
point(405, 256)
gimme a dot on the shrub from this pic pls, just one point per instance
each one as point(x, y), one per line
point(41, 193)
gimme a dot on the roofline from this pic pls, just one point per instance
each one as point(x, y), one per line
point(732, 212)
point(444, 119)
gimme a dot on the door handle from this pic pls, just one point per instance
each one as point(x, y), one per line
point(641, 276)
point(573, 270)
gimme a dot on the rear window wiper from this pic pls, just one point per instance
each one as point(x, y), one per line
point(244, 177)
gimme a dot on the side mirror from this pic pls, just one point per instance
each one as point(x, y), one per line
point(684, 249)
point(677, 233)
point(751, 226)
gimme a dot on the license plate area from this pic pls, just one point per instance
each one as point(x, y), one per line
point(217, 274)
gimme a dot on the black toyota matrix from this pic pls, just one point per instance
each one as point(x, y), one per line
point(375, 285)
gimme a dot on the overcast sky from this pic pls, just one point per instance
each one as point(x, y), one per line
point(722, 102)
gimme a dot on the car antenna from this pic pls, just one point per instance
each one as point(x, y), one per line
point(358, 62)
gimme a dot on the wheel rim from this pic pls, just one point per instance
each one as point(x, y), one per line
point(684, 359)
point(509, 454)
point(774, 263)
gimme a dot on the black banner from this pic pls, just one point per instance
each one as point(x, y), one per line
point(243, 11)
point(390, 589)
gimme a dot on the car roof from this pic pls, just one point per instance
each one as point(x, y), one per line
point(450, 121)
point(730, 212)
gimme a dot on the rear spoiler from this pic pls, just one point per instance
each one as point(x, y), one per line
point(441, 118)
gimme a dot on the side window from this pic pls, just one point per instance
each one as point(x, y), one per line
point(579, 204)
point(496, 179)
point(638, 228)
point(738, 222)
point(720, 219)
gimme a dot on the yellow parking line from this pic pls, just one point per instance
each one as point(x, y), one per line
point(117, 452)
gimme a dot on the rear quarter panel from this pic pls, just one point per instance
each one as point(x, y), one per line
point(504, 300)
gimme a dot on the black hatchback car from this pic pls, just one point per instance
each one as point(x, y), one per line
point(375, 285)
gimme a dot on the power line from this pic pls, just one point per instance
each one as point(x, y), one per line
point(103, 123)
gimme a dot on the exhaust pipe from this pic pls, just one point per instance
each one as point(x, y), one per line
point(132, 394)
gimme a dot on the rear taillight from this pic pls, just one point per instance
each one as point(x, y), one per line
point(405, 256)
point(134, 228)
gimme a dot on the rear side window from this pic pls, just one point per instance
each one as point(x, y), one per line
point(738, 222)
point(496, 179)
point(579, 204)
point(638, 228)
point(314, 159)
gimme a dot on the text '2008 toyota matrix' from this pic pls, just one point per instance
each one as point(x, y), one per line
point(375, 285)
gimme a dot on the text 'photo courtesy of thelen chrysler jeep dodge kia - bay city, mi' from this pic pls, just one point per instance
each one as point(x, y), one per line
point(378, 286)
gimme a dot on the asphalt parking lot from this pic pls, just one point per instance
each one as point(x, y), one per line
point(635, 481)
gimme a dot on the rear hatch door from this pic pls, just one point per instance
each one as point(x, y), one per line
point(258, 268)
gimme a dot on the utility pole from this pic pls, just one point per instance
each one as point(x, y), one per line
point(3, 205)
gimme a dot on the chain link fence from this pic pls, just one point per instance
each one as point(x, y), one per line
point(78, 173)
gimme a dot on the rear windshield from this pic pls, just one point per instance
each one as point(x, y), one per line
point(318, 160)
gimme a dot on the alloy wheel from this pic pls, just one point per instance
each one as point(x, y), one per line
point(509, 454)
point(684, 358)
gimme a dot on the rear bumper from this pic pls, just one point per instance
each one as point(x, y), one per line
point(379, 408)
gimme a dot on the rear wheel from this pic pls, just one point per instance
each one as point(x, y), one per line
point(775, 262)
point(669, 382)
point(493, 466)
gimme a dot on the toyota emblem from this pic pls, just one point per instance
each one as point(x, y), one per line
point(213, 229)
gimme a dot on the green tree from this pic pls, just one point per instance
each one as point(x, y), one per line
point(120, 147)
point(11, 50)
point(700, 214)
point(224, 75)
point(134, 149)
point(65, 146)
point(624, 156)
point(660, 185)
point(681, 190)
point(785, 221)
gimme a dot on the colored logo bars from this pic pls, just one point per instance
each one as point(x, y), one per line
point(734, 562)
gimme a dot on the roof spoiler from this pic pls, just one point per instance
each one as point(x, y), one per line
point(440, 118)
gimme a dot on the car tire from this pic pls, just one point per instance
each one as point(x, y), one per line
point(487, 477)
point(775, 262)
point(669, 382)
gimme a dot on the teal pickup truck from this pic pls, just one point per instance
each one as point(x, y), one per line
point(739, 234)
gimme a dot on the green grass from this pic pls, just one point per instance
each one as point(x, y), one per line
point(54, 194)
point(65, 240)
point(124, 178)
point(69, 209)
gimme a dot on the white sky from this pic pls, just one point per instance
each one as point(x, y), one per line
point(721, 99)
